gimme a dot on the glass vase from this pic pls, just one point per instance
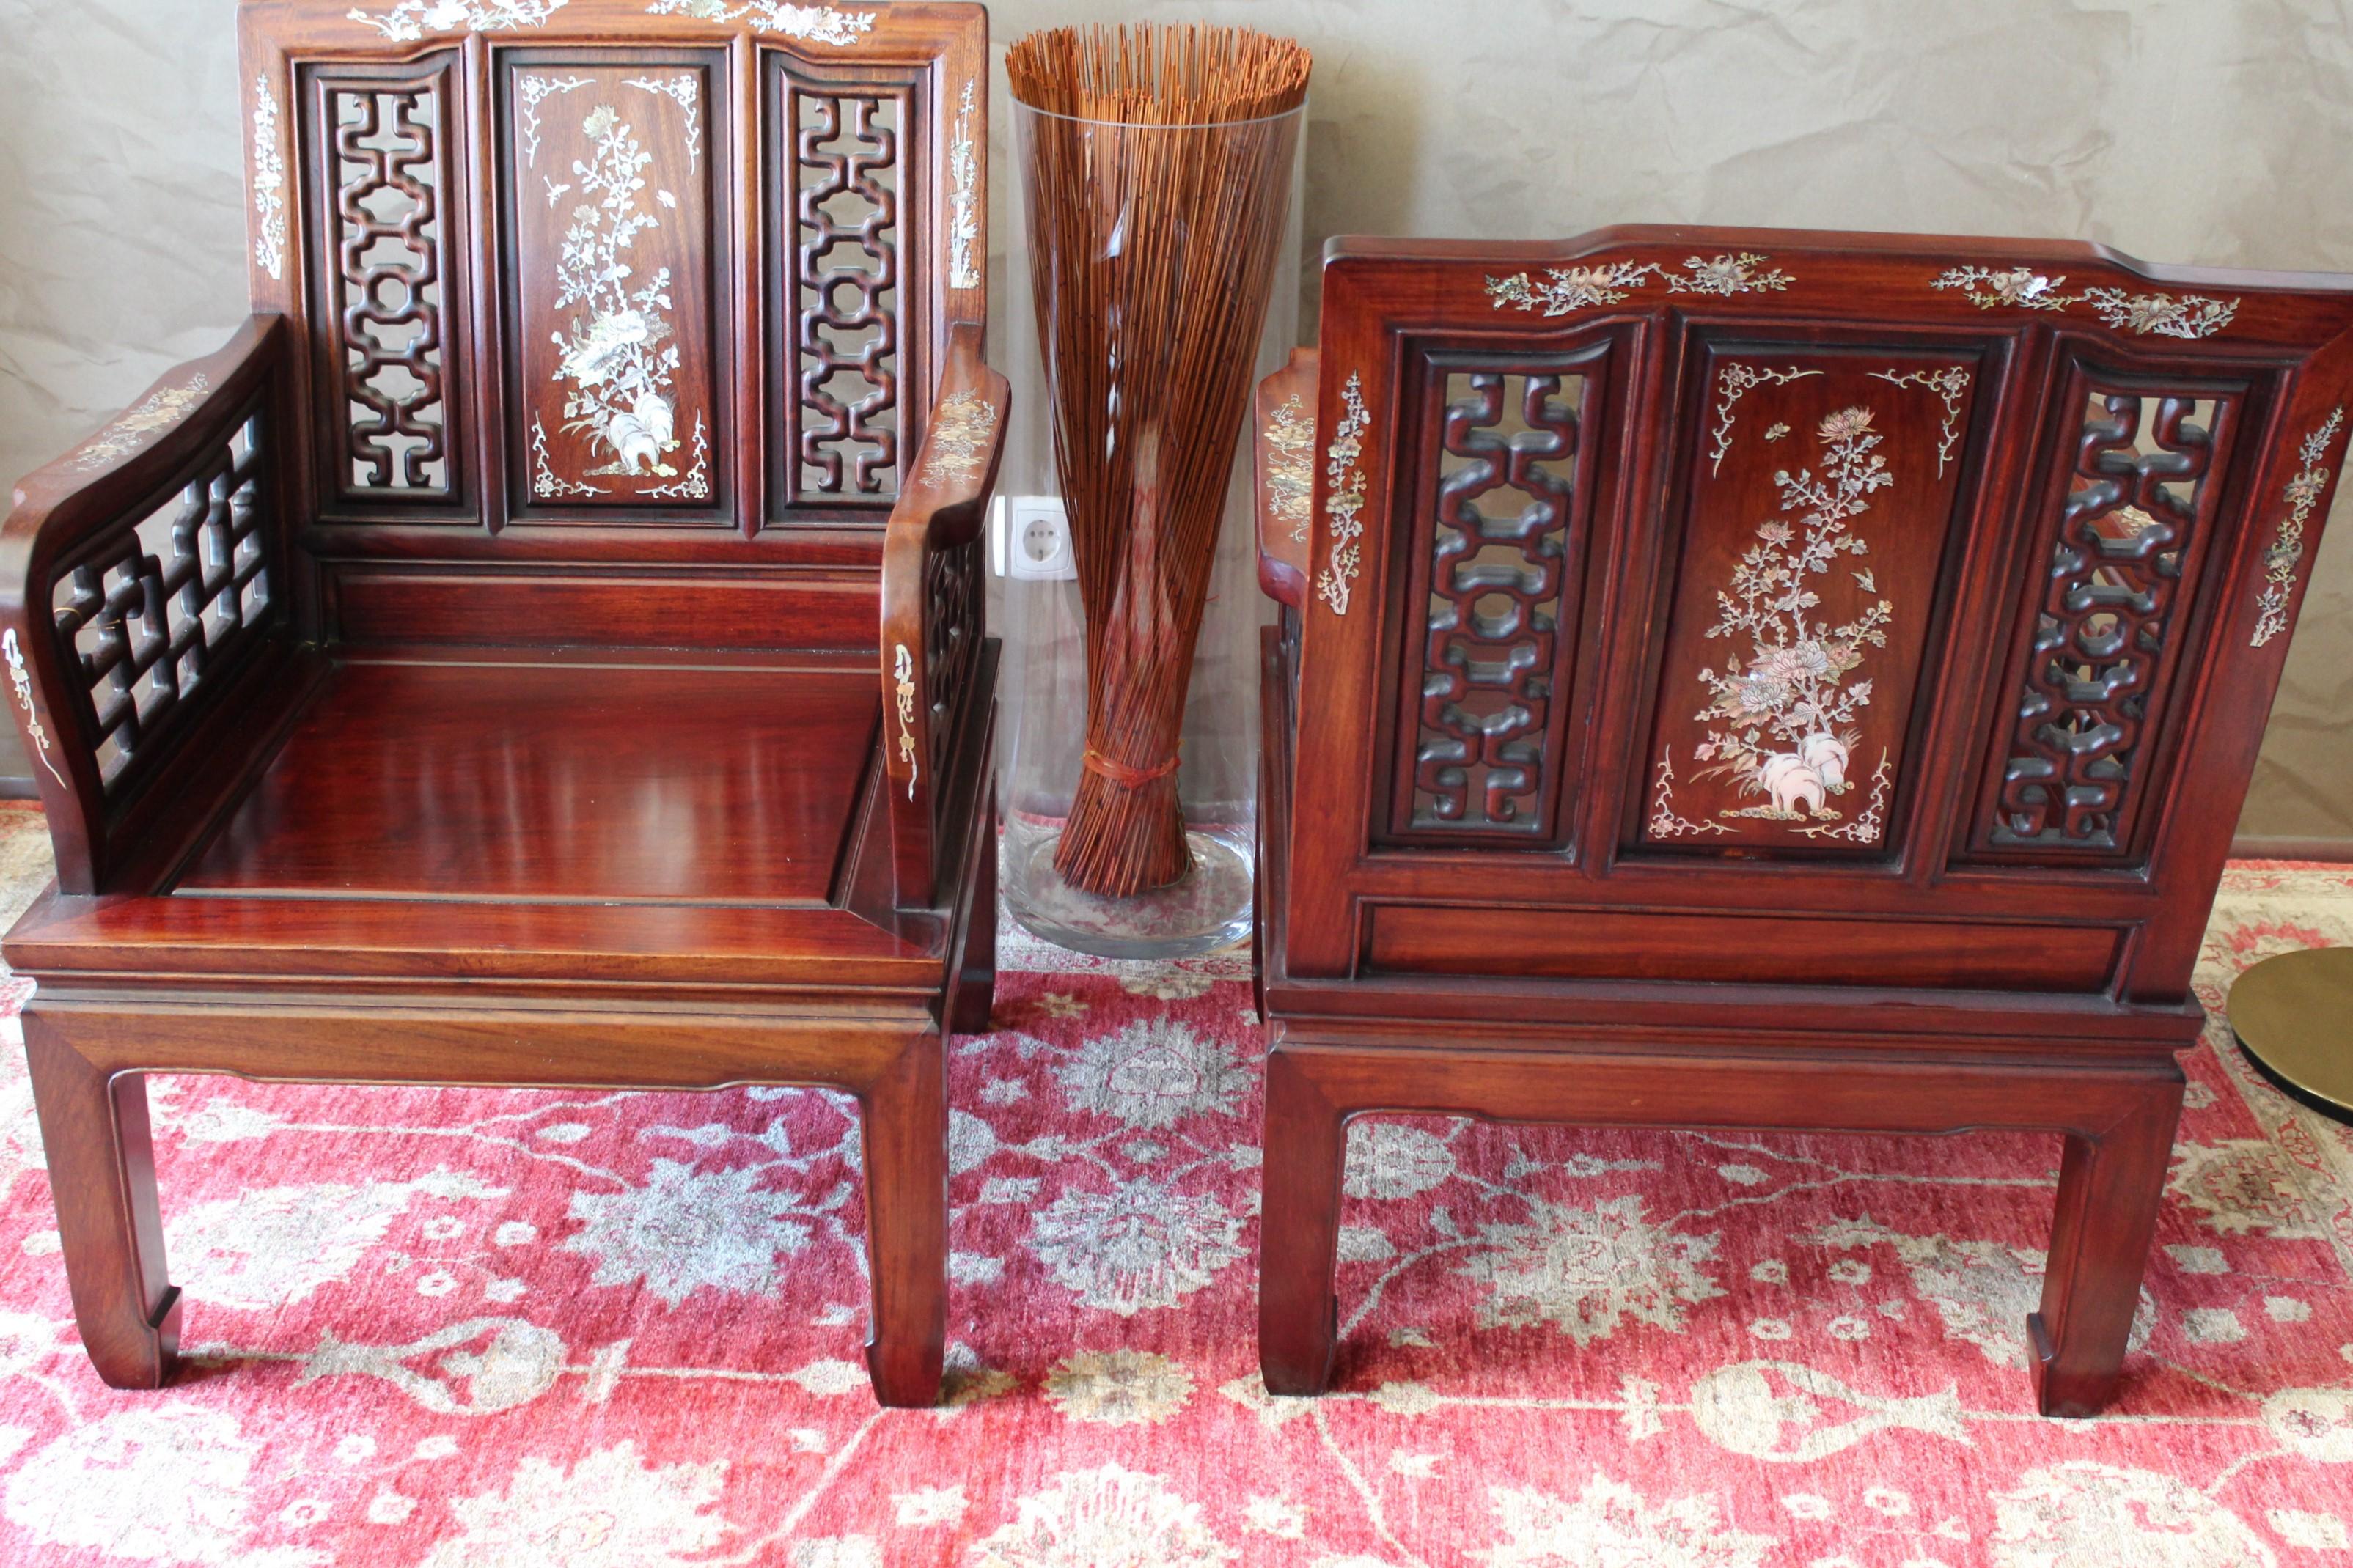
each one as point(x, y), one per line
point(1044, 737)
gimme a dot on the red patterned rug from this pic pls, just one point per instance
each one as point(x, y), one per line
point(473, 1329)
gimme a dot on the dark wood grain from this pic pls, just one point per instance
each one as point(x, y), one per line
point(1808, 680)
point(435, 686)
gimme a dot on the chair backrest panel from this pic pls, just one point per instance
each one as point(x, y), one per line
point(1828, 575)
point(600, 284)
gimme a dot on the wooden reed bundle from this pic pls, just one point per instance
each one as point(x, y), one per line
point(1158, 177)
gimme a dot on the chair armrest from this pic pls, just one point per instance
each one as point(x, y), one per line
point(933, 622)
point(1286, 477)
point(140, 578)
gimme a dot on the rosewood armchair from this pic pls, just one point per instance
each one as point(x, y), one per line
point(1771, 679)
point(545, 646)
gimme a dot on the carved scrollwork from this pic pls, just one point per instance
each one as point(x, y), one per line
point(391, 267)
point(1346, 500)
point(1568, 289)
point(146, 621)
point(848, 204)
point(2113, 579)
point(1491, 648)
point(2154, 312)
point(2304, 493)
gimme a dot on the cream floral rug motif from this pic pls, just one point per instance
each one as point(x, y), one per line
point(502, 1330)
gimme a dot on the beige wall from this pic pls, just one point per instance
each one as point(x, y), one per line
point(2208, 130)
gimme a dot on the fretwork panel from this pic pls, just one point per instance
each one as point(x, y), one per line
point(2117, 577)
point(1490, 651)
point(390, 271)
point(151, 617)
point(845, 294)
point(951, 634)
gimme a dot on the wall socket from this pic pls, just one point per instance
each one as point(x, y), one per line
point(1031, 540)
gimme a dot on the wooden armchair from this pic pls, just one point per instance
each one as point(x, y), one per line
point(1768, 679)
point(545, 646)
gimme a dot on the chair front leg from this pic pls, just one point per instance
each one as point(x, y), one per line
point(975, 982)
point(102, 1179)
point(906, 1137)
point(2109, 1191)
point(1299, 1231)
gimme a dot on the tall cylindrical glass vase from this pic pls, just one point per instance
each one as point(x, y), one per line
point(1162, 253)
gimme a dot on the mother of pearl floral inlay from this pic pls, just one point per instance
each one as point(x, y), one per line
point(268, 182)
point(963, 199)
point(1568, 288)
point(2023, 288)
point(812, 24)
point(22, 680)
point(2304, 493)
point(618, 359)
point(1348, 499)
point(1781, 719)
point(412, 19)
point(161, 411)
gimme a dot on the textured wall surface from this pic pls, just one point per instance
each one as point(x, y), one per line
point(2190, 131)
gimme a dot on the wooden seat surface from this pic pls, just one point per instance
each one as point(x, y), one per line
point(496, 782)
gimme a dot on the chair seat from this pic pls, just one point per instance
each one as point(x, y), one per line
point(535, 817)
point(547, 783)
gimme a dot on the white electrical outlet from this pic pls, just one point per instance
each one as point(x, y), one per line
point(1032, 540)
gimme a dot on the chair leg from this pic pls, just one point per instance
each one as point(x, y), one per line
point(1299, 1232)
point(102, 1178)
point(907, 1225)
point(976, 994)
point(2109, 1190)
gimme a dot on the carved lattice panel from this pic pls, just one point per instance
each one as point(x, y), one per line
point(2117, 577)
point(1496, 575)
point(610, 276)
point(388, 151)
point(153, 615)
point(952, 637)
point(846, 164)
point(1822, 487)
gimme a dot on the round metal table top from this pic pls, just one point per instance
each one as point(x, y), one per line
point(2292, 1018)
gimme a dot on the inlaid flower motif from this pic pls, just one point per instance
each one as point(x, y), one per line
point(1391, 1160)
point(1610, 1524)
point(610, 1510)
point(1153, 1074)
point(1588, 1270)
point(149, 1482)
point(412, 19)
point(2084, 1514)
point(272, 1246)
point(1092, 1518)
point(1119, 1388)
point(685, 1229)
point(1141, 1245)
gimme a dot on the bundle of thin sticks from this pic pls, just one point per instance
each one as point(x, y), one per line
point(1158, 175)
